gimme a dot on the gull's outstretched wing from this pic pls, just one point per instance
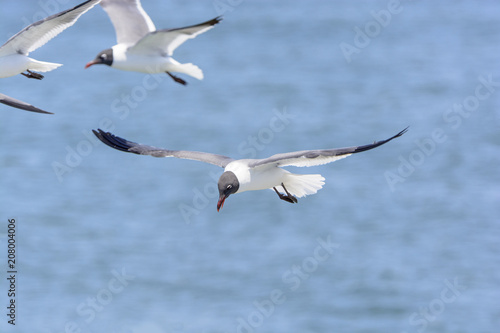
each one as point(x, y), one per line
point(136, 148)
point(130, 20)
point(37, 34)
point(20, 104)
point(306, 158)
point(166, 41)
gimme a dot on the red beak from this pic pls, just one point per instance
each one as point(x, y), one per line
point(90, 64)
point(220, 203)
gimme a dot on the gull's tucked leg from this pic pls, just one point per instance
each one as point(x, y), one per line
point(32, 75)
point(291, 197)
point(177, 79)
point(288, 197)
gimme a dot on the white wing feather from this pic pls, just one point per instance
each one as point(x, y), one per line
point(136, 148)
point(166, 41)
point(130, 20)
point(307, 158)
point(39, 33)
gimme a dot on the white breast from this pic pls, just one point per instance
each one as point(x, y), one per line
point(126, 61)
point(13, 64)
point(253, 179)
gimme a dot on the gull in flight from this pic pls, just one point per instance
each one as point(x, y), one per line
point(142, 48)
point(15, 103)
point(254, 174)
point(14, 53)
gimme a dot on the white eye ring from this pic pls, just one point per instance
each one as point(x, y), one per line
point(103, 56)
point(229, 186)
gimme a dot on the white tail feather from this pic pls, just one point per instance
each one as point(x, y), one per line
point(190, 69)
point(302, 185)
point(40, 66)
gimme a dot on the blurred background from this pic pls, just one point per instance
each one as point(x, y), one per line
point(403, 238)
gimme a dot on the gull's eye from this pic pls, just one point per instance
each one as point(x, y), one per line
point(103, 56)
point(229, 187)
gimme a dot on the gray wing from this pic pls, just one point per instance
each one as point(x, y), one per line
point(166, 41)
point(37, 34)
point(20, 104)
point(130, 20)
point(306, 158)
point(131, 147)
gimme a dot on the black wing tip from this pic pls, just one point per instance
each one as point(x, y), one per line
point(212, 22)
point(395, 136)
point(101, 135)
point(38, 111)
point(209, 23)
point(24, 107)
point(43, 112)
point(378, 143)
point(48, 18)
point(401, 133)
point(112, 140)
point(81, 5)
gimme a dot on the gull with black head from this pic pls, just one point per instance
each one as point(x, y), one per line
point(142, 48)
point(253, 174)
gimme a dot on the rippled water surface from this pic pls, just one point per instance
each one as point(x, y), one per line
point(404, 238)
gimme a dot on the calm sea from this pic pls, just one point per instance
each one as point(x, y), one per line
point(403, 238)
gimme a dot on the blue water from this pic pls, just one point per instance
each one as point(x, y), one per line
point(404, 238)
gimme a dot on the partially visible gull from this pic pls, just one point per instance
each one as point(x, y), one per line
point(254, 174)
point(20, 104)
point(14, 53)
point(142, 48)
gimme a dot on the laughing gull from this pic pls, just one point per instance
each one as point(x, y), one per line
point(142, 48)
point(20, 104)
point(253, 174)
point(14, 53)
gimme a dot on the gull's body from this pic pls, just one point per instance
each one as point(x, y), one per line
point(14, 53)
point(144, 63)
point(15, 103)
point(142, 48)
point(254, 174)
point(14, 64)
point(267, 176)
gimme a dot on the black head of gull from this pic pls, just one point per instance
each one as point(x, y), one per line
point(228, 184)
point(103, 58)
